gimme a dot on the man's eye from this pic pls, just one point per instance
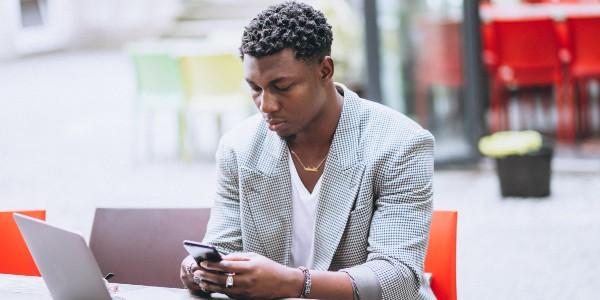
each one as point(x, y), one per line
point(282, 89)
point(255, 88)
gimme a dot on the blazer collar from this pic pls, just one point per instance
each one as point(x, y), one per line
point(344, 147)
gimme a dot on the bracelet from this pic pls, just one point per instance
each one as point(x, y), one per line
point(307, 282)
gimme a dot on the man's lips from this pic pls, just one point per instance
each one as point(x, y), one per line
point(275, 124)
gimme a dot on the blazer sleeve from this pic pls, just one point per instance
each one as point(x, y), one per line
point(399, 229)
point(224, 229)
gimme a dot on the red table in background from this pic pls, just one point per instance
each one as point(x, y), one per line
point(559, 12)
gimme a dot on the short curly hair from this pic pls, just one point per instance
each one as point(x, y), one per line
point(294, 25)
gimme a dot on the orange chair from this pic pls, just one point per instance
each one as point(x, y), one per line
point(441, 254)
point(14, 255)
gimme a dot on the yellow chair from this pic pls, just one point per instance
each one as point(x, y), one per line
point(214, 84)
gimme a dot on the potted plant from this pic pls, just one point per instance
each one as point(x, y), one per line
point(523, 162)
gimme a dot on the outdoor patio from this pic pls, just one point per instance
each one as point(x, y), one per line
point(66, 123)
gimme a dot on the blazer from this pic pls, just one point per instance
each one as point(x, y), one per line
point(374, 209)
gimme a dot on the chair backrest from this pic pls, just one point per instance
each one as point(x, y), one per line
point(526, 43)
point(15, 258)
point(144, 246)
point(218, 74)
point(158, 78)
point(584, 43)
point(441, 254)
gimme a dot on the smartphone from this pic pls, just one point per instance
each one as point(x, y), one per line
point(201, 252)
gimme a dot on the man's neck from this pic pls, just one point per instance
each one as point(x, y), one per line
point(320, 133)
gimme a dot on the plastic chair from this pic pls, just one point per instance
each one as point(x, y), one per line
point(214, 84)
point(144, 246)
point(584, 48)
point(488, 45)
point(439, 62)
point(14, 255)
point(441, 254)
point(522, 62)
point(159, 88)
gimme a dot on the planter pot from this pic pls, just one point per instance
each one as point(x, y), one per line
point(525, 175)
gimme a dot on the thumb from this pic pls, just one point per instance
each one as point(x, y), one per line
point(239, 256)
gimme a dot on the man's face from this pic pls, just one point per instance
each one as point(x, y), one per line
point(288, 92)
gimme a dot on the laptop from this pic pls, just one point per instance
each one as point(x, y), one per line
point(65, 261)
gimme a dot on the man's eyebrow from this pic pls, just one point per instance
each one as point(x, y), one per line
point(274, 81)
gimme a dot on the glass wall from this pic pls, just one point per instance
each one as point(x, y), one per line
point(422, 68)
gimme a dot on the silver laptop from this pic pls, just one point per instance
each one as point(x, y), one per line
point(66, 263)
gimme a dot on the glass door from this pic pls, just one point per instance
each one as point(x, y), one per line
point(422, 70)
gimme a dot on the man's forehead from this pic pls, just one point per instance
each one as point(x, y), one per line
point(280, 64)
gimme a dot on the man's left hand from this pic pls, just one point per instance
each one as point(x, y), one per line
point(256, 277)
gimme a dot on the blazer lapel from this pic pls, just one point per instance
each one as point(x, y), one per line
point(341, 181)
point(267, 188)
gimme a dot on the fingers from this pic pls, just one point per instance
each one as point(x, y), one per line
point(211, 277)
point(214, 288)
point(235, 291)
point(186, 275)
point(188, 282)
point(228, 266)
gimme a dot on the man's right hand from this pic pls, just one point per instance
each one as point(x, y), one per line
point(186, 274)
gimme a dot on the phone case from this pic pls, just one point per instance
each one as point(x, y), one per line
point(201, 252)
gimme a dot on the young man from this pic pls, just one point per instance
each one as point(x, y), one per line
point(323, 194)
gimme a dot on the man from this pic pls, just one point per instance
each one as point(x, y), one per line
point(323, 195)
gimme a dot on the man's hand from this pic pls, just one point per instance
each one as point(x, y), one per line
point(186, 274)
point(256, 277)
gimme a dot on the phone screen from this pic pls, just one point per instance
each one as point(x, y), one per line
point(201, 252)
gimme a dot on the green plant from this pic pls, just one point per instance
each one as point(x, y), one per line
point(506, 143)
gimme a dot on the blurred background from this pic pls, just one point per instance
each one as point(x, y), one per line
point(121, 104)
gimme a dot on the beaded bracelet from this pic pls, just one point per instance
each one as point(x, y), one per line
point(307, 282)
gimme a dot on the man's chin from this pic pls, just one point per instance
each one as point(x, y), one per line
point(286, 136)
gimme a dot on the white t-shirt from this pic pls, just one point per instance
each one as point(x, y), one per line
point(304, 208)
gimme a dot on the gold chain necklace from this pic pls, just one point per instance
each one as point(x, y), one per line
point(308, 169)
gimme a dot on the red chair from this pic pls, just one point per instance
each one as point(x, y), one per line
point(528, 55)
point(14, 255)
point(488, 45)
point(441, 254)
point(584, 47)
point(439, 61)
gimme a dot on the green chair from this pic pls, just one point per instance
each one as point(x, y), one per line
point(159, 88)
point(214, 84)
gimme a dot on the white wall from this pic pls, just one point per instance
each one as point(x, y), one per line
point(6, 36)
point(82, 23)
point(111, 21)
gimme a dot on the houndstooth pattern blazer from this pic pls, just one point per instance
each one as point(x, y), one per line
point(374, 209)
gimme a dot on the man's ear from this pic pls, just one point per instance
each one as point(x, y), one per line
point(326, 68)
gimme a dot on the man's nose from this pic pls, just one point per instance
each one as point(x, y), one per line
point(268, 103)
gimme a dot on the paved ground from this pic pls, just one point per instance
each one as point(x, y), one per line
point(65, 145)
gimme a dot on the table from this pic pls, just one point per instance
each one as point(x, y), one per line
point(17, 287)
point(556, 11)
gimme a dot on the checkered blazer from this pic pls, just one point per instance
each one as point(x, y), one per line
point(374, 209)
